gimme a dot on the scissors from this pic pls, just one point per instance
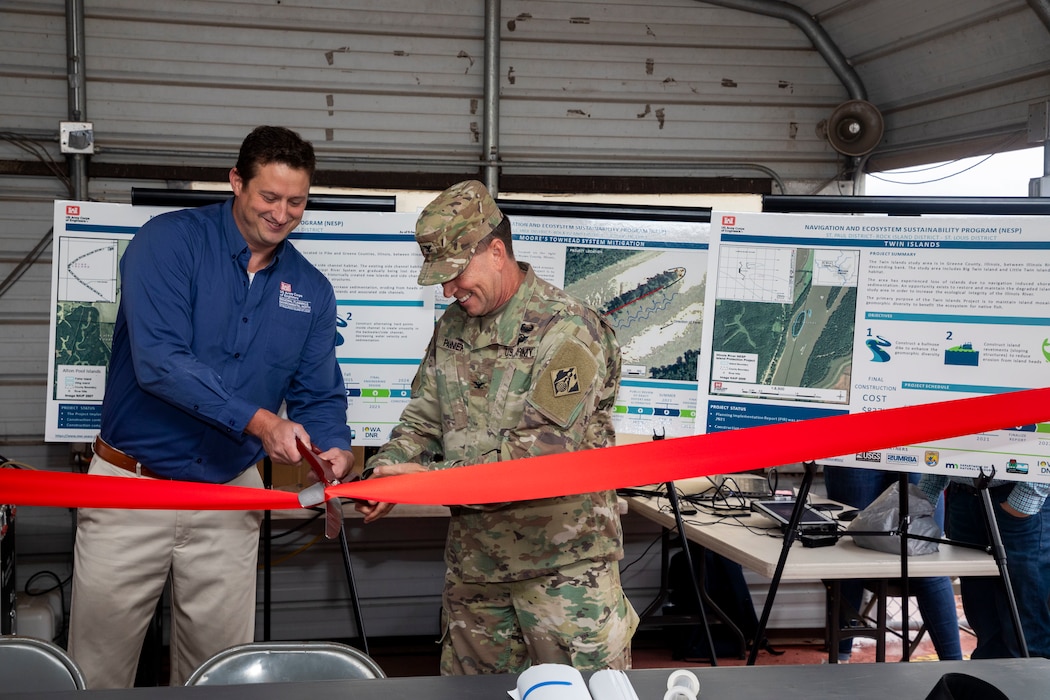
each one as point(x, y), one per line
point(314, 495)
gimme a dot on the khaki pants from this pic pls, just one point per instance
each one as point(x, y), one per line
point(578, 616)
point(122, 560)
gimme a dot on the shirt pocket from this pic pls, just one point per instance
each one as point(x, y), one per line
point(286, 338)
point(453, 390)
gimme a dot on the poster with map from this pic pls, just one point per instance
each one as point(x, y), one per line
point(818, 315)
point(647, 277)
point(371, 258)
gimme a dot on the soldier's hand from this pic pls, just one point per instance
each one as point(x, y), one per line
point(374, 510)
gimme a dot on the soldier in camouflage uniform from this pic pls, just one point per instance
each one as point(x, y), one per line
point(515, 368)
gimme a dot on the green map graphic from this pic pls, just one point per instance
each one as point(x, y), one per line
point(84, 315)
point(652, 299)
point(806, 341)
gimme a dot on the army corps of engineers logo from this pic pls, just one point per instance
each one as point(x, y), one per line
point(933, 457)
point(566, 381)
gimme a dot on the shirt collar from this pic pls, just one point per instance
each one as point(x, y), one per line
point(504, 326)
point(235, 243)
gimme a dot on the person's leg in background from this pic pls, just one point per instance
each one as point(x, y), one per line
point(1027, 545)
point(935, 598)
point(855, 488)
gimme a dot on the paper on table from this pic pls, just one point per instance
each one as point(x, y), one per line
point(550, 682)
point(609, 684)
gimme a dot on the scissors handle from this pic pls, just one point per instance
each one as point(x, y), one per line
point(322, 468)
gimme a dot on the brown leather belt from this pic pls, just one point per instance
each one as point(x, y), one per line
point(119, 459)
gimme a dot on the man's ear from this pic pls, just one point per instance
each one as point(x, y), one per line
point(236, 181)
point(499, 252)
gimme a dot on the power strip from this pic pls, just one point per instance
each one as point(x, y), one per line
point(746, 485)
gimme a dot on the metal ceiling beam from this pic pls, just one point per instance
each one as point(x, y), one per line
point(822, 42)
point(77, 97)
point(491, 135)
point(1042, 10)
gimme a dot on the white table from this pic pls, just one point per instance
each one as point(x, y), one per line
point(731, 538)
point(844, 560)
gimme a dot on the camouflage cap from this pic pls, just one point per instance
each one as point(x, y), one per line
point(449, 229)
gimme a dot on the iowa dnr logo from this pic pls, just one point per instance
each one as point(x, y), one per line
point(72, 210)
point(729, 221)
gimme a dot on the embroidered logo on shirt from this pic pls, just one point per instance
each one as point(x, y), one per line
point(565, 381)
point(524, 331)
point(292, 301)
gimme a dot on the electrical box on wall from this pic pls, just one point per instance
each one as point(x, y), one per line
point(1039, 122)
point(76, 137)
point(1039, 186)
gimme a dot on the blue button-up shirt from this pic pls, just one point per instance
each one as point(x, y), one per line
point(1025, 497)
point(198, 349)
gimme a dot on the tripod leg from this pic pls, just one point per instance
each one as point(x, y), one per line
point(354, 600)
point(789, 538)
point(665, 562)
point(905, 527)
point(672, 496)
point(267, 533)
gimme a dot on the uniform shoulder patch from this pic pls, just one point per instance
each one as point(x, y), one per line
point(564, 382)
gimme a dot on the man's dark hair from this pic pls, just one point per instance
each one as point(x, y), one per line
point(502, 232)
point(274, 144)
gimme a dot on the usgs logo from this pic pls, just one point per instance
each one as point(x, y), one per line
point(869, 456)
point(902, 459)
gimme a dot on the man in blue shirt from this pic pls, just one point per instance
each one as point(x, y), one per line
point(1022, 514)
point(221, 321)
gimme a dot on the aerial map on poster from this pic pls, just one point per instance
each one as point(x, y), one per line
point(813, 315)
point(647, 277)
point(370, 258)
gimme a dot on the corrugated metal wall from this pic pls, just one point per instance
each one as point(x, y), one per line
point(666, 85)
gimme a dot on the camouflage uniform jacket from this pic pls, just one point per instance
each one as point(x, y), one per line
point(538, 376)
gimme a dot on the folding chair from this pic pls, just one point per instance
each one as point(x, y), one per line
point(275, 662)
point(28, 664)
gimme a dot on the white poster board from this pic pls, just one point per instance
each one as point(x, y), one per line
point(814, 315)
point(385, 319)
point(647, 277)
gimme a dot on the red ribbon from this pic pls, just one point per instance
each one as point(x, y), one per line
point(570, 472)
